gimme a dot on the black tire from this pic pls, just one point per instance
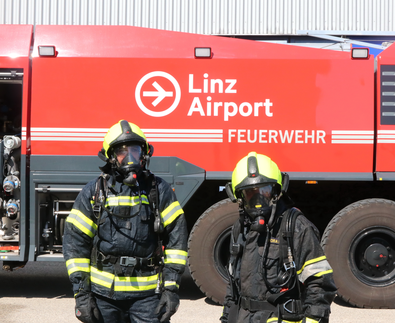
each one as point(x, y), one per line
point(359, 243)
point(208, 249)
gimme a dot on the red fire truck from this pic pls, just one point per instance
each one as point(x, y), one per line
point(327, 118)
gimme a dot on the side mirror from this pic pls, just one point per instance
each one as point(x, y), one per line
point(229, 191)
point(285, 180)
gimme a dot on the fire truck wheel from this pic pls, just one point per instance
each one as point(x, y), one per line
point(208, 249)
point(359, 243)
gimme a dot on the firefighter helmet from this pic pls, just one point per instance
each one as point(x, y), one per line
point(126, 145)
point(121, 133)
point(253, 171)
point(257, 182)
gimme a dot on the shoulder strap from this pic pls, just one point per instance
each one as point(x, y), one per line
point(153, 199)
point(286, 234)
point(100, 195)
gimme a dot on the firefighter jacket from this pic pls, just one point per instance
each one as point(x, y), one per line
point(256, 264)
point(115, 256)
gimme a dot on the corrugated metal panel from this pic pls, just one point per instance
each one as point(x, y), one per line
point(218, 17)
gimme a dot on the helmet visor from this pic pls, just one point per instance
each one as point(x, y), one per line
point(257, 197)
point(128, 154)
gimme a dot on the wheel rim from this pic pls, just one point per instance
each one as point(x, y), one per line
point(221, 252)
point(372, 256)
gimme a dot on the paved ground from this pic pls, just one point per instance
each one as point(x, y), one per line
point(41, 293)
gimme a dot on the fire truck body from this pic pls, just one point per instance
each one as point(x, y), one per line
point(204, 102)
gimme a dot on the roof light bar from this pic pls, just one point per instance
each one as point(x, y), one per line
point(360, 53)
point(203, 52)
point(47, 51)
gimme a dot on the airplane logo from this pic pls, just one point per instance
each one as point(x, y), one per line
point(159, 95)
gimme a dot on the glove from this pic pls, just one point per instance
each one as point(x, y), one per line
point(170, 301)
point(85, 308)
point(225, 314)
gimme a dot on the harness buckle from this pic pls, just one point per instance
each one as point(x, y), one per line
point(97, 210)
point(294, 306)
point(150, 262)
point(100, 256)
point(289, 265)
point(127, 261)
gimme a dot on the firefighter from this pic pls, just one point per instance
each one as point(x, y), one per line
point(125, 239)
point(277, 269)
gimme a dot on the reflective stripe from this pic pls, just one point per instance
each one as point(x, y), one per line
point(135, 284)
point(171, 213)
point(101, 278)
point(309, 320)
point(123, 284)
point(82, 222)
point(171, 283)
point(173, 256)
point(322, 273)
point(126, 200)
point(314, 267)
point(78, 264)
point(275, 319)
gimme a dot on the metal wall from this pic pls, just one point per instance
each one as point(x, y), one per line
point(218, 17)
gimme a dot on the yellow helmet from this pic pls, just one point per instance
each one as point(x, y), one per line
point(255, 170)
point(124, 132)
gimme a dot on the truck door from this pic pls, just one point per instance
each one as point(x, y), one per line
point(385, 115)
point(14, 116)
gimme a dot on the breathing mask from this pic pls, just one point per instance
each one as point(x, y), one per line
point(128, 158)
point(258, 205)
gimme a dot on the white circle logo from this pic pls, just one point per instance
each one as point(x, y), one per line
point(159, 93)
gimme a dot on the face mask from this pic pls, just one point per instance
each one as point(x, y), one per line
point(128, 159)
point(258, 206)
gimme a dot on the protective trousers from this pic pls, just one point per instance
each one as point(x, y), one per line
point(138, 310)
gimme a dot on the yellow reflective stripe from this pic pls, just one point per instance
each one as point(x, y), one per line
point(322, 273)
point(173, 256)
point(126, 200)
point(78, 264)
point(315, 267)
point(312, 261)
point(123, 284)
point(82, 222)
point(135, 284)
point(309, 320)
point(171, 213)
point(101, 278)
point(275, 319)
point(171, 283)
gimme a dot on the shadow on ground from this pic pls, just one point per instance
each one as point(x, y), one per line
point(40, 279)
